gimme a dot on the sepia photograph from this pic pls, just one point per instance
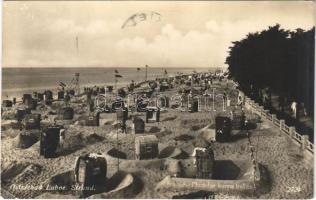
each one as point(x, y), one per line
point(157, 99)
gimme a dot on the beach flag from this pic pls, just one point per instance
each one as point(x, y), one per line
point(62, 84)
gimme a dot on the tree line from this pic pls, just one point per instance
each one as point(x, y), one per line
point(275, 60)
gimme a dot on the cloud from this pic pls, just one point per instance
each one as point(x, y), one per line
point(174, 48)
point(169, 31)
point(197, 35)
point(212, 26)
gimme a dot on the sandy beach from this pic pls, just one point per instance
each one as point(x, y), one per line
point(285, 171)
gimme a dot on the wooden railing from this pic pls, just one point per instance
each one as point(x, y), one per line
point(302, 140)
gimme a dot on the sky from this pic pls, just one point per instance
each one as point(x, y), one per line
point(184, 34)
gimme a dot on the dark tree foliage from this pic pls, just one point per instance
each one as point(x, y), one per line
point(278, 59)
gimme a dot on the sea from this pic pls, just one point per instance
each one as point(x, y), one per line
point(18, 81)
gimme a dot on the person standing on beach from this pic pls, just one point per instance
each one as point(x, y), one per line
point(252, 92)
point(67, 99)
point(260, 96)
point(131, 86)
point(293, 108)
point(239, 102)
point(281, 103)
point(240, 99)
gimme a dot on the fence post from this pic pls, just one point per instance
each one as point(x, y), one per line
point(291, 131)
point(305, 141)
point(273, 117)
point(282, 122)
point(266, 112)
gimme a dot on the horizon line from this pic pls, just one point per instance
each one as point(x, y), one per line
point(112, 67)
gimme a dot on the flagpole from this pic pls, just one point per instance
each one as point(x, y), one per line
point(77, 44)
point(117, 144)
point(138, 75)
point(115, 80)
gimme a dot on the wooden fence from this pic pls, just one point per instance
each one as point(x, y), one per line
point(302, 140)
